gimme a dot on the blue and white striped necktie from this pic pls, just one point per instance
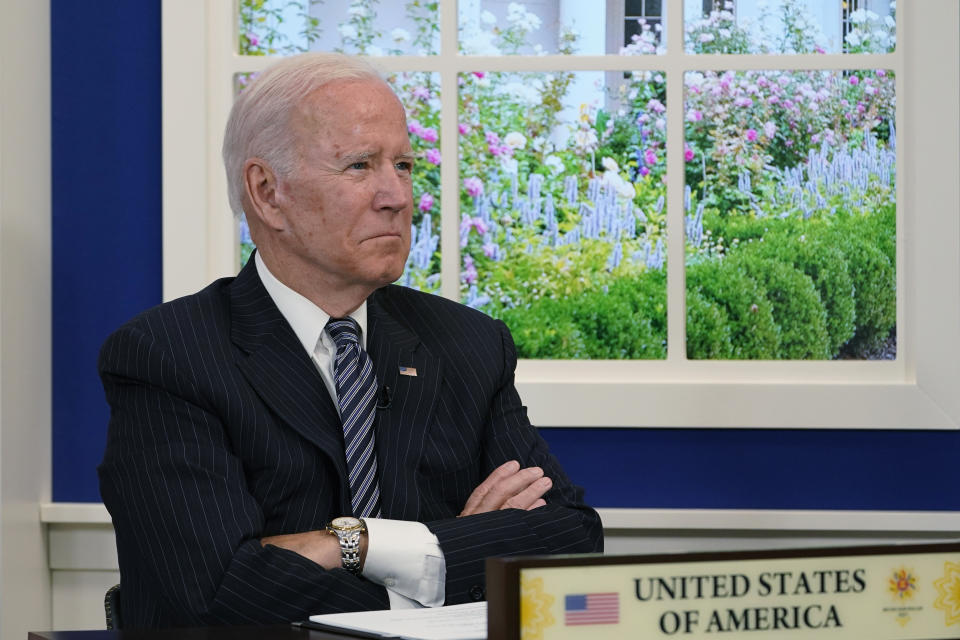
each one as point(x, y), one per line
point(357, 396)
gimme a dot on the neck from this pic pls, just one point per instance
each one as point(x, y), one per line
point(336, 299)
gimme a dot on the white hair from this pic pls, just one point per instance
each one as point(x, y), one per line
point(259, 122)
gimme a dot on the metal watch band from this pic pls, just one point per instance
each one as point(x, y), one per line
point(350, 550)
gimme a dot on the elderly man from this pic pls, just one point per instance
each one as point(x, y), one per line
point(306, 437)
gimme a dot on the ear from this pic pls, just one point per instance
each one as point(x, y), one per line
point(260, 189)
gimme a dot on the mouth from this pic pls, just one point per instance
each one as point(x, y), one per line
point(384, 234)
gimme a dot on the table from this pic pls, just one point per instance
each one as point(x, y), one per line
point(269, 632)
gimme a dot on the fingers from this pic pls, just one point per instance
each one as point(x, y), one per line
point(503, 471)
point(509, 487)
point(529, 495)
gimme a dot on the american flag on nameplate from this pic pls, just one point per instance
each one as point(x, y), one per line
point(592, 608)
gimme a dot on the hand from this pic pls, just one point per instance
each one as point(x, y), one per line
point(509, 487)
point(320, 546)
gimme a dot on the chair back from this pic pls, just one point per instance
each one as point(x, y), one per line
point(111, 606)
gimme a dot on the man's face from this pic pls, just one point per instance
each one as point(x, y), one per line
point(348, 203)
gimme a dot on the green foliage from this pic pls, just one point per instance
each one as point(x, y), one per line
point(708, 329)
point(623, 320)
point(754, 334)
point(826, 266)
point(797, 308)
point(875, 283)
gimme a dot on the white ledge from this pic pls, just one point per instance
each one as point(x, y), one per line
point(74, 513)
point(944, 522)
point(781, 520)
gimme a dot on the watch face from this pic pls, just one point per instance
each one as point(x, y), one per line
point(345, 522)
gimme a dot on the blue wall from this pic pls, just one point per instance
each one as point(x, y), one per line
point(107, 267)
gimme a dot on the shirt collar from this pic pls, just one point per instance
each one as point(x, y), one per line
point(307, 319)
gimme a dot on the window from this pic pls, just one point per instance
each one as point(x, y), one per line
point(674, 386)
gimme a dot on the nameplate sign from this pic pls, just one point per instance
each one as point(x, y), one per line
point(894, 592)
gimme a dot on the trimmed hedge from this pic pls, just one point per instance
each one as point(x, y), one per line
point(793, 289)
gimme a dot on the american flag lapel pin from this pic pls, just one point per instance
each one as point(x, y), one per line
point(408, 371)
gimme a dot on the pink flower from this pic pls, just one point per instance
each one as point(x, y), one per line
point(854, 80)
point(469, 274)
point(743, 102)
point(688, 154)
point(494, 149)
point(769, 128)
point(433, 156)
point(415, 128)
point(656, 106)
point(492, 138)
point(694, 116)
point(751, 134)
point(650, 157)
point(644, 171)
point(474, 186)
point(253, 39)
point(464, 129)
point(881, 73)
point(421, 93)
point(426, 202)
point(429, 134)
point(479, 74)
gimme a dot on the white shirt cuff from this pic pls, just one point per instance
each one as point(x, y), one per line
point(405, 557)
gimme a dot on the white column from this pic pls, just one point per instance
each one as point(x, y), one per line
point(589, 20)
point(24, 315)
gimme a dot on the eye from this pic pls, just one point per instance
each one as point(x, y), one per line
point(359, 165)
point(404, 165)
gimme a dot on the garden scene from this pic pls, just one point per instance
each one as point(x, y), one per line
point(789, 199)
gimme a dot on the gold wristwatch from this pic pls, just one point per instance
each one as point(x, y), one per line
point(348, 530)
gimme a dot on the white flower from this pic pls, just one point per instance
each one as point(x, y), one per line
point(523, 92)
point(858, 16)
point(480, 44)
point(347, 31)
point(510, 165)
point(555, 164)
point(400, 35)
point(610, 164)
point(374, 50)
point(890, 22)
point(853, 39)
point(706, 37)
point(357, 10)
point(585, 139)
point(515, 140)
point(488, 18)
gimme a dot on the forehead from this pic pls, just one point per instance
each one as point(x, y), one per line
point(345, 105)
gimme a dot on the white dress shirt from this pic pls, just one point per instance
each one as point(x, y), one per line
point(403, 556)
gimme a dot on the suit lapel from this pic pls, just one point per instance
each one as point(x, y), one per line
point(402, 427)
point(275, 364)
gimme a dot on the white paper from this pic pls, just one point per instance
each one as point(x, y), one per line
point(456, 622)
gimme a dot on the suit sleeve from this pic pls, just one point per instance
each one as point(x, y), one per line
point(565, 525)
point(186, 525)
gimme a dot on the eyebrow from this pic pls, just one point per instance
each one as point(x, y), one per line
point(361, 156)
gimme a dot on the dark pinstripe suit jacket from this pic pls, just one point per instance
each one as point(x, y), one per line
point(222, 432)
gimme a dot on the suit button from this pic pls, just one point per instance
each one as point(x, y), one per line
point(477, 593)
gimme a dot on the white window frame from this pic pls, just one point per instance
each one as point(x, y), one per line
point(918, 390)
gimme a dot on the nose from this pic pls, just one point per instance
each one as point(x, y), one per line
point(394, 190)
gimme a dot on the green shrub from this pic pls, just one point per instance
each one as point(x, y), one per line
point(797, 308)
point(753, 333)
point(826, 265)
point(875, 285)
point(545, 330)
point(625, 319)
point(708, 329)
